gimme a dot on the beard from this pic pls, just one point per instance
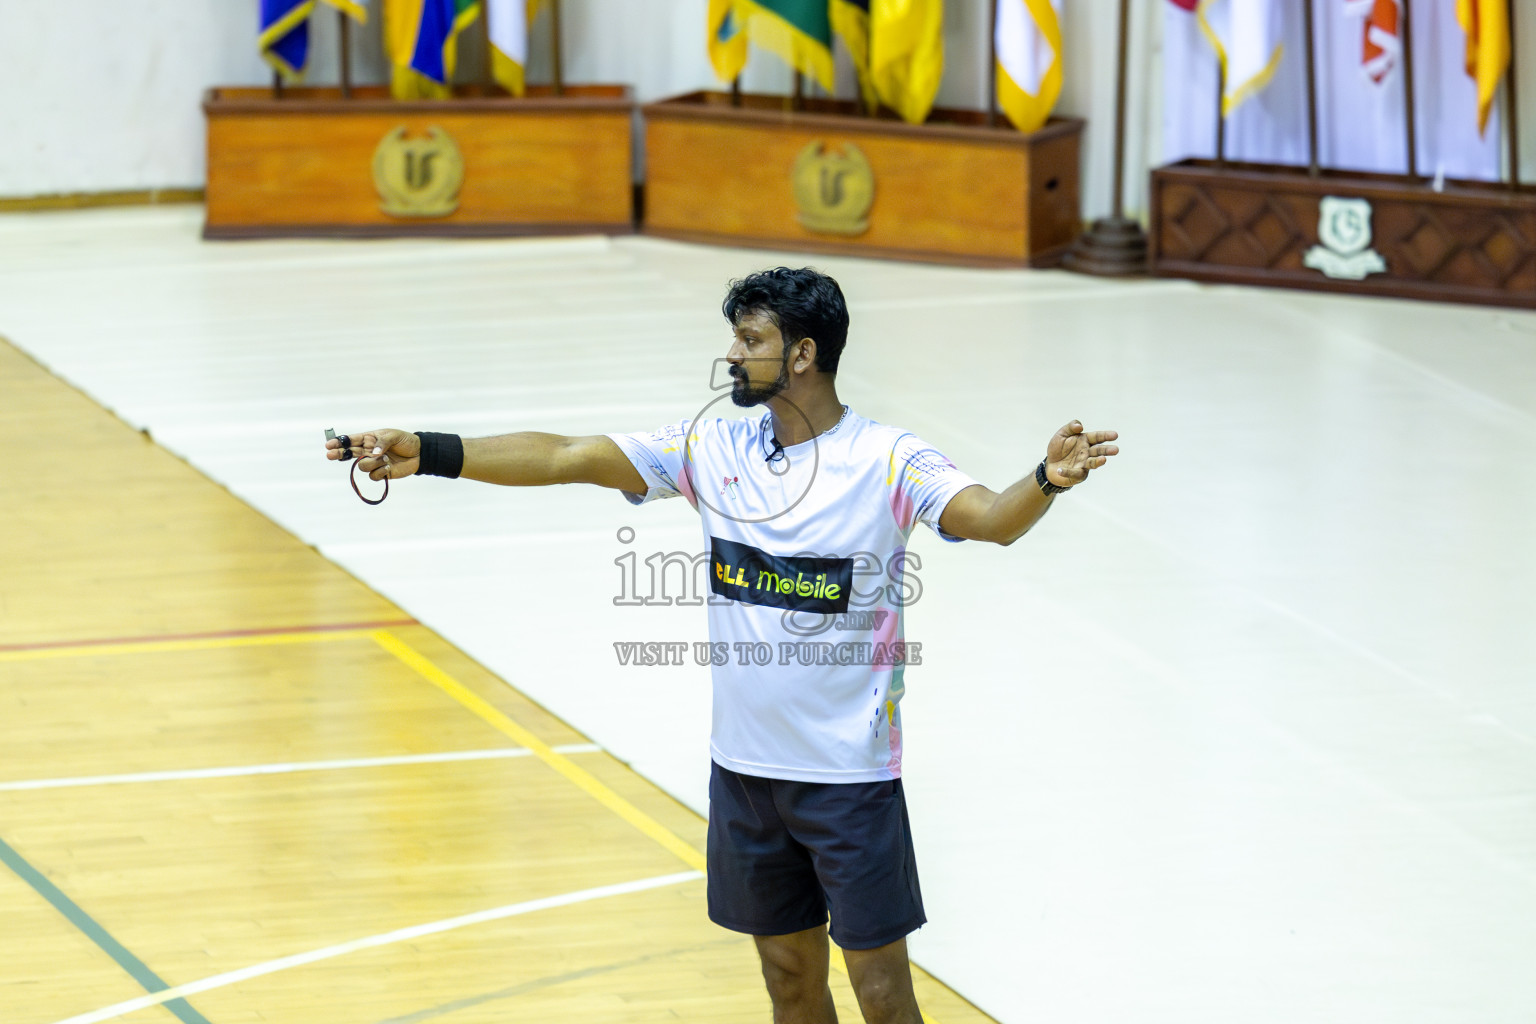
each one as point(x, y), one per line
point(746, 394)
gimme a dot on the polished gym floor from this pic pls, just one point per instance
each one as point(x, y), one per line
point(1243, 730)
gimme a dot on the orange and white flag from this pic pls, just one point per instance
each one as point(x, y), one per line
point(1383, 47)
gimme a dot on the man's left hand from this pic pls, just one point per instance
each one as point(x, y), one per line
point(1073, 451)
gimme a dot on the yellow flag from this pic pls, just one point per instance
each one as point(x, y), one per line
point(1487, 26)
point(508, 22)
point(727, 39)
point(1028, 42)
point(906, 58)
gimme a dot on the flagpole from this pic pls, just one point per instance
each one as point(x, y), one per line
point(736, 91)
point(799, 91)
point(277, 85)
point(554, 34)
point(869, 56)
point(1221, 113)
point(344, 44)
point(1406, 23)
point(992, 67)
point(1117, 201)
point(1113, 246)
point(488, 81)
point(1512, 96)
point(1309, 18)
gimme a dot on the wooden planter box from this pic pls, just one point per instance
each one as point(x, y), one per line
point(826, 179)
point(1273, 225)
point(313, 164)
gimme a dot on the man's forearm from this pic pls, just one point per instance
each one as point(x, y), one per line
point(1017, 509)
point(525, 459)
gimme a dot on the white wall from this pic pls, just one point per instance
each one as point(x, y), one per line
point(98, 95)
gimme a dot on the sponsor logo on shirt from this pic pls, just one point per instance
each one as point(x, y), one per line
point(747, 574)
point(732, 486)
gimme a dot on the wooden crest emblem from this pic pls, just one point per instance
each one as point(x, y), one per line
point(418, 177)
point(834, 188)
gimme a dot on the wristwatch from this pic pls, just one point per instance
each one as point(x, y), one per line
point(1046, 487)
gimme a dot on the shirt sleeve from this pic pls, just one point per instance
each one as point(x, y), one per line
point(922, 483)
point(658, 456)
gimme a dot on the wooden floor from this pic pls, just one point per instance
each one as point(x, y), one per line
point(223, 796)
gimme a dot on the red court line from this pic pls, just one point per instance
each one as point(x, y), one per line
point(230, 634)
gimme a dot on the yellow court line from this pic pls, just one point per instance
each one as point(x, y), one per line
point(584, 779)
point(559, 762)
point(162, 646)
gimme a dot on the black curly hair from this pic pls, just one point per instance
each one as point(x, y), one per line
point(802, 303)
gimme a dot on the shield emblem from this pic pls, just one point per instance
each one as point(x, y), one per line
point(1344, 225)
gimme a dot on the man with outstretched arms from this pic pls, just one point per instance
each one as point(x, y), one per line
point(801, 507)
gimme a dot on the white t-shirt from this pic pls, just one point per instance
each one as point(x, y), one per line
point(807, 577)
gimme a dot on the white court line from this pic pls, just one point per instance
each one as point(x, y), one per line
point(372, 941)
point(297, 766)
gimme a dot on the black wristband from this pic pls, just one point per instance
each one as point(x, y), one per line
point(1046, 487)
point(441, 454)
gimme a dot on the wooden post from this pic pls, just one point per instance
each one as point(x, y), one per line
point(1512, 95)
point(554, 35)
point(992, 66)
point(1405, 20)
point(1313, 167)
point(344, 44)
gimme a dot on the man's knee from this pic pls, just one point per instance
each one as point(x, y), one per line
point(882, 981)
point(885, 995)
point(794, 966)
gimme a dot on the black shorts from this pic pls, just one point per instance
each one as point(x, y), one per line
point(782, 854)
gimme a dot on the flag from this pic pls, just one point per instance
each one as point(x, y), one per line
point(1383, 47)
point(1028, 41)
point(1246, 37)
point(1188, 5)
point(850, 20)
point(507, 23)
point(422, 39)
point(1486, 23)
point(799, 31)
point(727, 42)
point(284, 37)
point(906, 58)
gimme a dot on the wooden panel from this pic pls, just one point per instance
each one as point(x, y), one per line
point(1254, 224)
point(941, 191)
point(297, 163)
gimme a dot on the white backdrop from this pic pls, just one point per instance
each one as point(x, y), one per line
point(97, 95)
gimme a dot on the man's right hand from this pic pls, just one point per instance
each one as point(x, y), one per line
point(380, 453)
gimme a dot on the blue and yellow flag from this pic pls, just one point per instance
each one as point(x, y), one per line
point(799, 31)
point(284, 35)
point(726, 39)
point(422, 38)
